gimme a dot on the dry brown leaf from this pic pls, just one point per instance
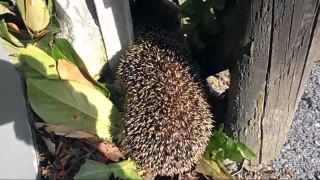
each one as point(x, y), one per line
point(108, 149)
point(68, 71)
point(14, 28)
point(64, 130)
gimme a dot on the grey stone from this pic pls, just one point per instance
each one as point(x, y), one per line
point(80, 28)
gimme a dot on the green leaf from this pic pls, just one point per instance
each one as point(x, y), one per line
point(245, 151)
point(96, 170)
point(40, 61)
point(75, 104)
point(35, 13)
point(4, 33)
point(221, 147)
point(210, 168)
point(62, 49)
point(45, 43)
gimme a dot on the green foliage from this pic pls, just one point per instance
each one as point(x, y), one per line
point(96, 170)
point(28, 21)
point(200, 16)
point(222, 147)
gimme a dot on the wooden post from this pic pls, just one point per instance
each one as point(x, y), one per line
point(279, 45)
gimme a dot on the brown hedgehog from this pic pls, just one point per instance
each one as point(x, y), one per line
point(167, 121)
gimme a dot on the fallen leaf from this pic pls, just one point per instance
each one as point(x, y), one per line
point(68, 71)
point(64, 130)
point(14, 28)
point(110, 150)
point(210, 168)
point(74, 104)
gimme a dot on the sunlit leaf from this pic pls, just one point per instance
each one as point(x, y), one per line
point(40, 61)
point(74, 104)
point(96, 170)
point(68, 71)
point(35, 13)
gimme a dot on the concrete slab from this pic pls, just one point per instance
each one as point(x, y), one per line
point(18, 159)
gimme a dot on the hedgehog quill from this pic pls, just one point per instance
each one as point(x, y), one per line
point(167, 121)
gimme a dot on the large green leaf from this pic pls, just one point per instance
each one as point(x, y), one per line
point(62, 49)
point(40, 61)
point(76, 104)
point(96, 170)
point(35, 13)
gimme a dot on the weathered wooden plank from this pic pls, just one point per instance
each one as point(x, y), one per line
point(268, 77)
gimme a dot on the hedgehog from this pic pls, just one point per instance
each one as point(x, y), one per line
point(167, 120)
